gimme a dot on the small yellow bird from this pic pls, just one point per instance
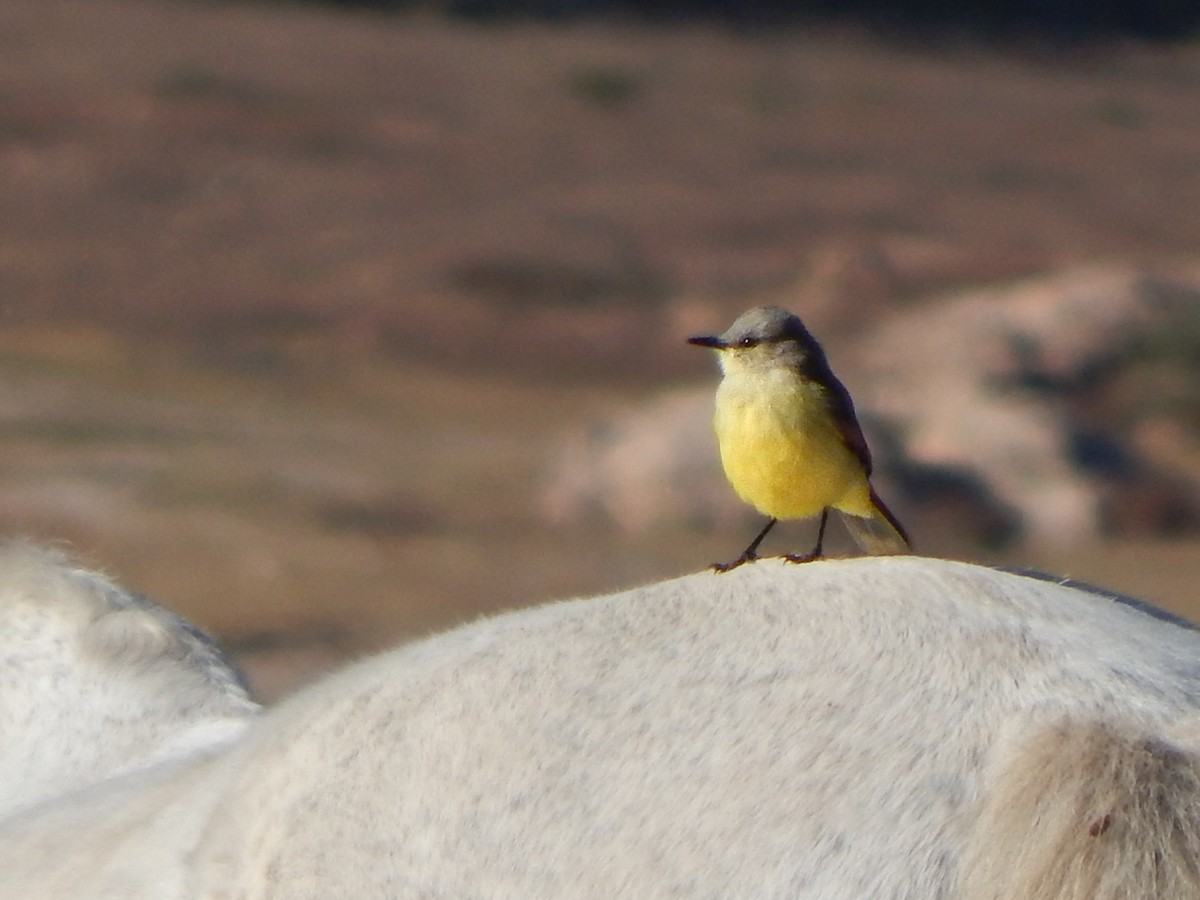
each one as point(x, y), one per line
point(790, 443)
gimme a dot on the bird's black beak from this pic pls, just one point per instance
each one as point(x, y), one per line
point(707, 341)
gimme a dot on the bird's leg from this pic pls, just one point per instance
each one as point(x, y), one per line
point(749, 554)
point(815, 553)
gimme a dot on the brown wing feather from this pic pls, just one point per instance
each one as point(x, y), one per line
point(841, 407)
point(881, 533)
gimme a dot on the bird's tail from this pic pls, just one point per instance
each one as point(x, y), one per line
point(879, 534)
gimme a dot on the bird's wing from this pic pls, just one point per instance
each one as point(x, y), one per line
point(841, 409)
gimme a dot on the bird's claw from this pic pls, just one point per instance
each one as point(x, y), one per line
point(801, 558)
point(719, 568)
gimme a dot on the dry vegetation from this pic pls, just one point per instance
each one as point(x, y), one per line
point(295, 301)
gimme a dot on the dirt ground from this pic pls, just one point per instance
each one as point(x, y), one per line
point(295, 303)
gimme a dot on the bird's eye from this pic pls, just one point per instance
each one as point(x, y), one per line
point(747, 342)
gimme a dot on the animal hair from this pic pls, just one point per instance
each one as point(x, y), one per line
point(892, 727)
point(120, 629)
point(1088, 811)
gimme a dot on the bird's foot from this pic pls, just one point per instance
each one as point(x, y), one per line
point(726, 567)
point(802, 558)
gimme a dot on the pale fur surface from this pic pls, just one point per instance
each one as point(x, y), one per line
point(879, 727)
point(1119, 804)
point(95, 680)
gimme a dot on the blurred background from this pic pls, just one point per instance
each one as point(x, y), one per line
point(333, 325)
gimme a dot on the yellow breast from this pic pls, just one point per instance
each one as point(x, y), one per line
point(781, 450)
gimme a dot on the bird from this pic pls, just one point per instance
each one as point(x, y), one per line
point(790, 443)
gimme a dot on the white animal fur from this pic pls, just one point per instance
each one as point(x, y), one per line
point(884, 728)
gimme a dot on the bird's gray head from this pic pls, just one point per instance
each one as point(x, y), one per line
point(762, 337)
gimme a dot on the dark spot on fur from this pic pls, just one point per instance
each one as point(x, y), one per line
point(1100, 826)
